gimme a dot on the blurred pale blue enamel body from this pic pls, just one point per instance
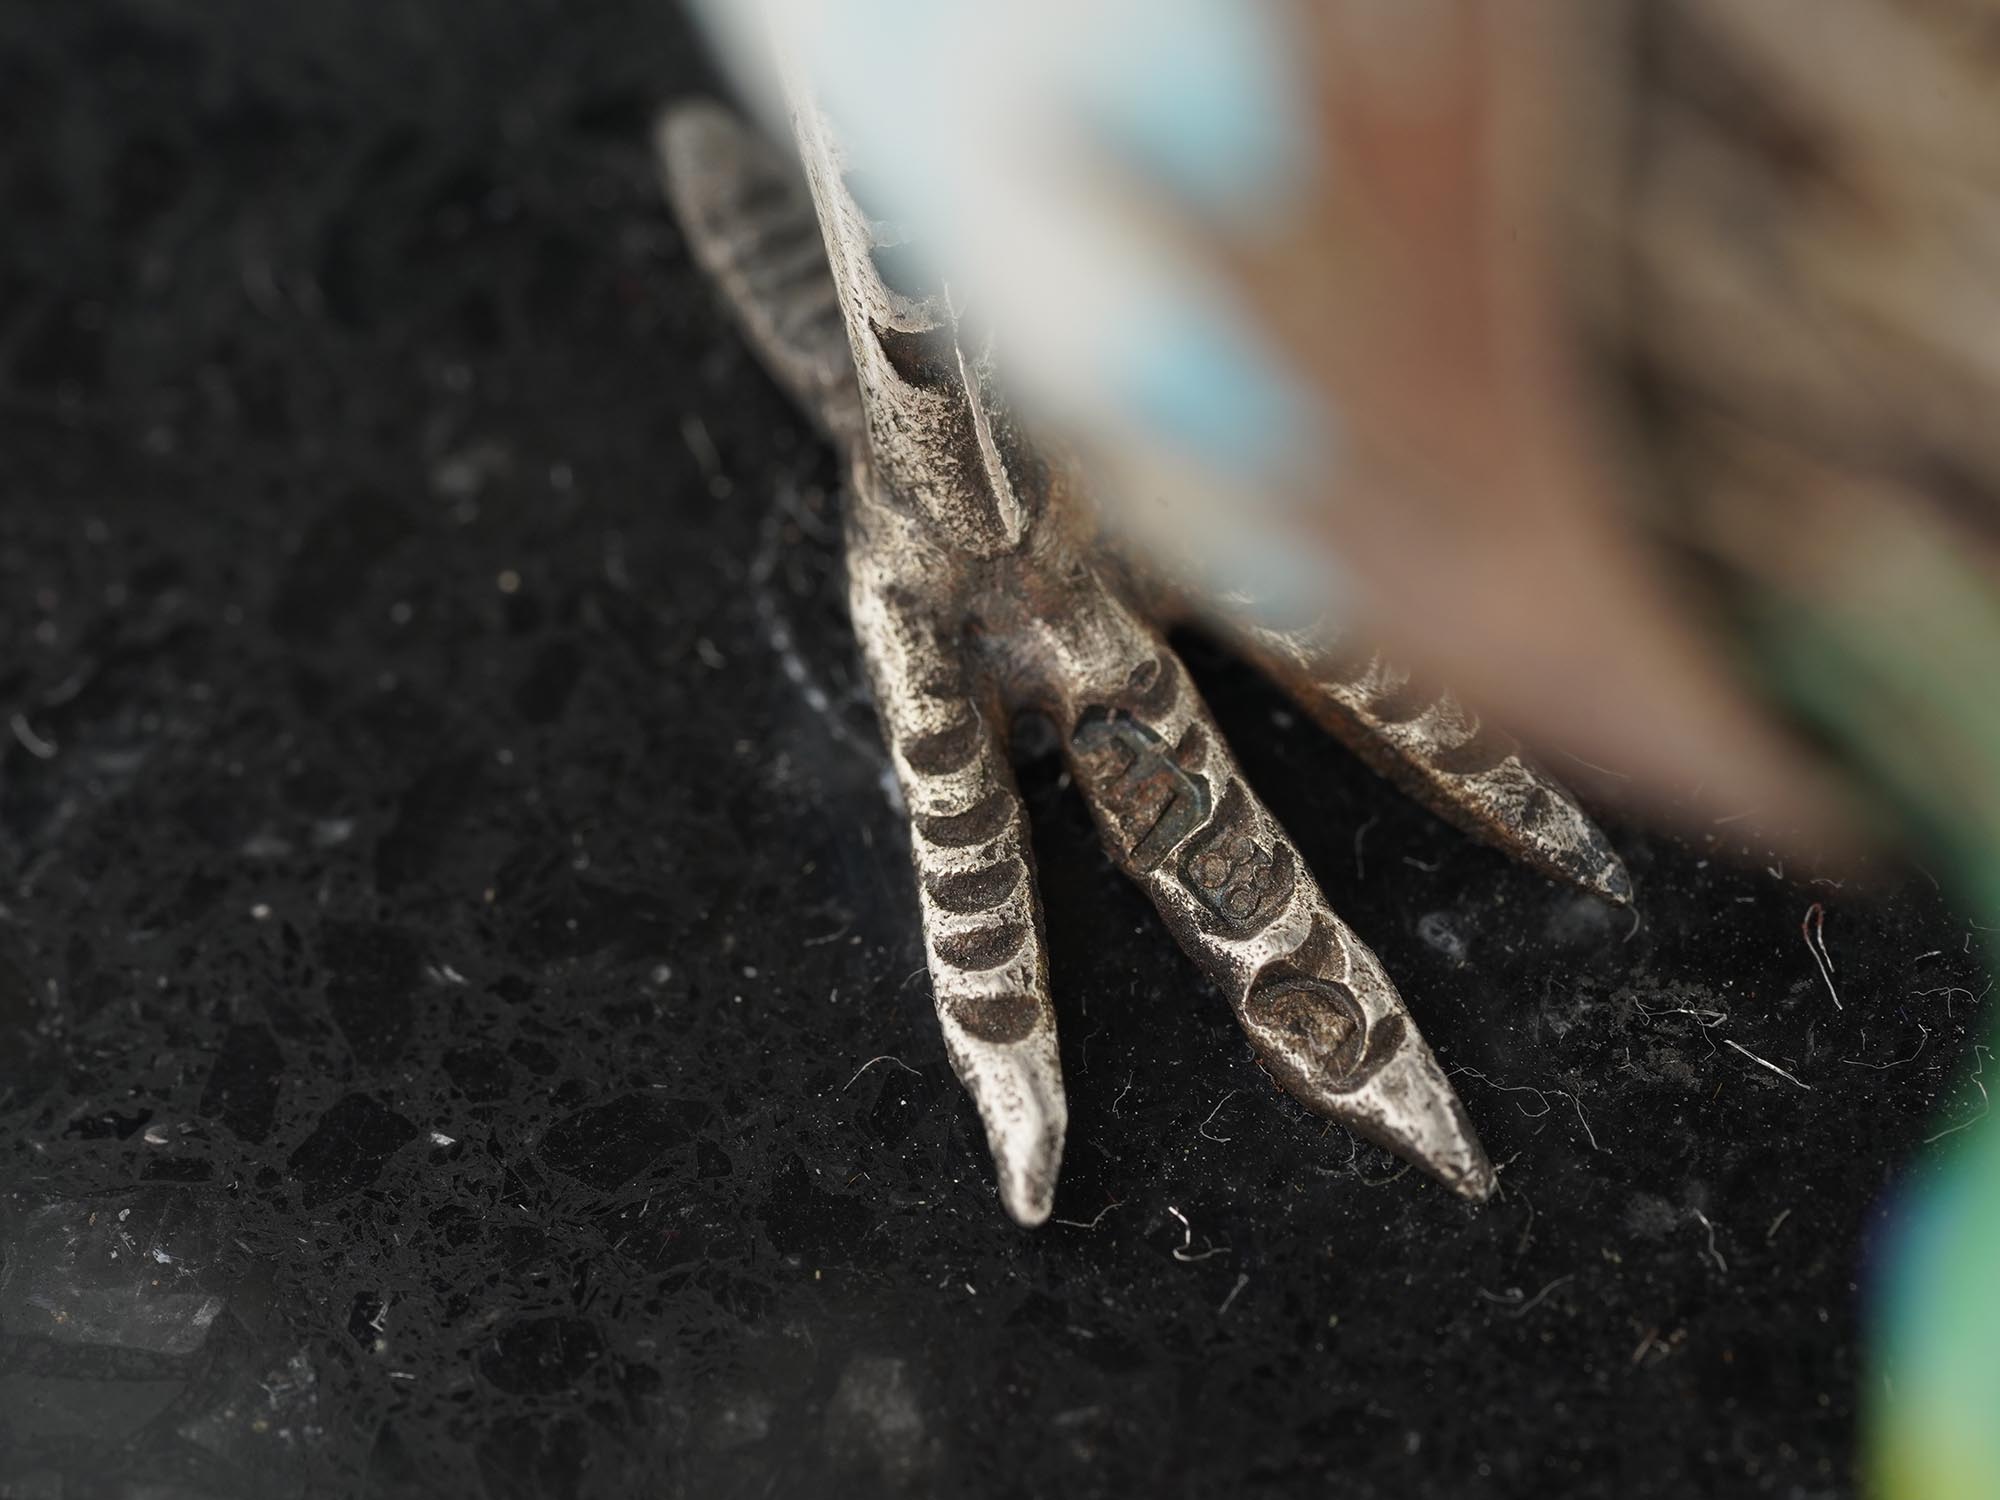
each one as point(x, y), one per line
point(1200, 103)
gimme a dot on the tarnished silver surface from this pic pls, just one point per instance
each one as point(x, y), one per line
point(981, 588)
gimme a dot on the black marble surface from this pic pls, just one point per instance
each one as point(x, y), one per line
point(461, 1020)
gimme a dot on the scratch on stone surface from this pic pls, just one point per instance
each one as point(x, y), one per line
point(1765, 1062)
point(1377, 1182)
point(1507, 1088)
point(1360, 834)
point(1185, 1250)
point(1541, 1094)
point(884, 1058)
point(1948, 990)
point(1095, 1221)
point(1202, 1129)
point(1702, 1218)
point(1979, 1055)
point(1812, 927)
point(1129, 1081)
point(34, 744)
point(1705, 1018)
point(1528, 1226)
point(1924, 1035)
point(1511, 1298)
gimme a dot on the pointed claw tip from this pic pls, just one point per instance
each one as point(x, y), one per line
point(1443, 1143)
point(1594, 866)
point(1026, 1118)
point(1613, 881)
point(1028, 1181)
point(1028, 1205)
point(1459, 1162)
point(1476, 1185)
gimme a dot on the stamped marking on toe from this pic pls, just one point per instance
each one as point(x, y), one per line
point(1315, 1030)
point(1150, 802)
point(1242, 881)
point(1311, 1029)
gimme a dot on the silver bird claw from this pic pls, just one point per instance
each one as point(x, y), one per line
point(979, 590)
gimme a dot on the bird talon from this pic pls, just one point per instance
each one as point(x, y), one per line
point(978, 595)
